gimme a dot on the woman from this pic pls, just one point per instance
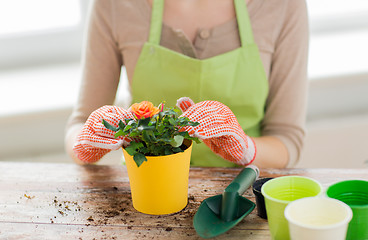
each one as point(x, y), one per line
point(205, 49)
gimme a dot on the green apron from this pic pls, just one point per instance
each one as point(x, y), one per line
point(236, 78)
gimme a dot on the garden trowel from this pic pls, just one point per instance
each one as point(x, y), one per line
point(220, 213)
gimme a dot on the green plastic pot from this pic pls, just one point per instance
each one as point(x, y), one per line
point(355, 194)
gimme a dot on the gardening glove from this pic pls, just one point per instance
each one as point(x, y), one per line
point(219, 129)
point(95, 140)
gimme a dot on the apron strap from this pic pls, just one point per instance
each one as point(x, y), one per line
point(156, 22)
point(244, 25)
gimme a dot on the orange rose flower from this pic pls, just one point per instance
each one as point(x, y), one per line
point(144, 109)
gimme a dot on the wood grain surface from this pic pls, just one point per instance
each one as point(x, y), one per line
point(67, 201)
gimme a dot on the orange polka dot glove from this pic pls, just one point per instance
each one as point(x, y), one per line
point(95, 140)
point(219, 130)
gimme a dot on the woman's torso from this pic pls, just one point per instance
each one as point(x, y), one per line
point(205, 43)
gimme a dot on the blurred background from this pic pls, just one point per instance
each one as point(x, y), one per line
point(41, 43)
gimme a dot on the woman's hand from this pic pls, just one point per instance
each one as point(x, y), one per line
point(219, 130)
point(95, 140)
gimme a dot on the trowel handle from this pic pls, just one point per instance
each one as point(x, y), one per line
point(230, 197)
point(244, 180)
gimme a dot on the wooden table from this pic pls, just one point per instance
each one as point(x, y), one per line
point(67, 201)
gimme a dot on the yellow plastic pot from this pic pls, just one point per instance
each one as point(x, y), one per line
point(160, 185)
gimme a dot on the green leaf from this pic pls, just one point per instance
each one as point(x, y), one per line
point(172, 121)
point(144, 150)
point(131, 150)
point(157, 150)
point(139, 158)
point(143, 122)
point(109, 126)
point(168, 151)
point(146, 136)
point(134, 134)
point(127, 127)
point(121, 124)
point(160, 128)
point(134, 147)
point(177, 150)
point(184, 134)
point(149, 136)
point(137, 145)
point(177, 141)
point(193, 124)
point(187, 136)
point(152, 122)
point(171, 112)
point(120, 133)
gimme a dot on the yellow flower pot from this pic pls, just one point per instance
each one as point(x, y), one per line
point(160, 185)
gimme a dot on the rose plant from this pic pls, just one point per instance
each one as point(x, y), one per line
point(154, 131)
